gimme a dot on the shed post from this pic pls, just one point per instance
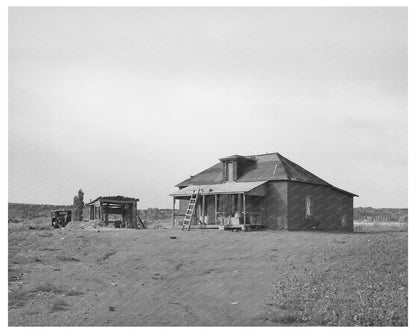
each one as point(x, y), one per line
point(173, 212)
point(215, 208)
point(244, 209)
point(133, 215)
point(122, 214)
point(106, 215)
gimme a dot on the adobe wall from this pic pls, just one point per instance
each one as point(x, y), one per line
point(332, 210)
point(276, 216)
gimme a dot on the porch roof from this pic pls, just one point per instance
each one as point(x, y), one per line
point(250, 188)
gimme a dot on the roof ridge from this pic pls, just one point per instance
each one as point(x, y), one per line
point(255, 155)
point(283, 165)
point(289, 161)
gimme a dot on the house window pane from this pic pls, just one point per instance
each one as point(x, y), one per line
point(308, 207)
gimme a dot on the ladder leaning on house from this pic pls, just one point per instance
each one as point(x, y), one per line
point(191, 210)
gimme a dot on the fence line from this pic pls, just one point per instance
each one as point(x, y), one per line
point(381, 218)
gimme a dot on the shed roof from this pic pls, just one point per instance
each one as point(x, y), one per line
point(119, 198)
point(268, 167)
point(230, 187)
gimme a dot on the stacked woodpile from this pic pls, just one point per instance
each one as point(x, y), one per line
point(78, 206)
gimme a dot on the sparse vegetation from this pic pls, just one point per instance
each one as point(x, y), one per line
point(19, 298)
point(49, 288)
point(59, 305)
point(364, 287)
point(74, 292)
point(257, 278)
point(66, 258)
point(108, 255)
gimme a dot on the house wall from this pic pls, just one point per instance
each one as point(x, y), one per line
point(209, 207)
point(255, 204)
point(183, 205)
point(332, 210)
point(276, 214)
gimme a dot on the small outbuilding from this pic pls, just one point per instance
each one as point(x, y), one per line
point(102, 207)
point(257, 191)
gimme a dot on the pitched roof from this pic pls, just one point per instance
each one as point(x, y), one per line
point(268, 167)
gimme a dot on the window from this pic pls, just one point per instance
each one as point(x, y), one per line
point(229, 171)
point(308, 207)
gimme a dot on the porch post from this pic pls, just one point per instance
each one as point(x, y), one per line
point(173, 212)
point(244, 209)
point(215, 208)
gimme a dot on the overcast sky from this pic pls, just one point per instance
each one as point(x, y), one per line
point(132, 101)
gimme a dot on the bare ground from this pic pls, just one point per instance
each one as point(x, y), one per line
point(166, 277)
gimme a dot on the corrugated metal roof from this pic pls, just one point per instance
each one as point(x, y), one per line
point(230, 187)
point(268, 167)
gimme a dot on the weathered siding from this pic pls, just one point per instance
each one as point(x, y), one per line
point(276, 205)
point(332, 210)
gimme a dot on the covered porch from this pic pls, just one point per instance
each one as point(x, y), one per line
point(230, 205)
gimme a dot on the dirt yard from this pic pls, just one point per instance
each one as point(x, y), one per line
point(166, 277)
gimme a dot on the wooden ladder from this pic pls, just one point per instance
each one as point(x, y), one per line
point(191, 210)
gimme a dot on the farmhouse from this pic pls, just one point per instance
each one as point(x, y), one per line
point(262, 191)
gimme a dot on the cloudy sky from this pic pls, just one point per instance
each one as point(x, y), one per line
point(132, 101)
